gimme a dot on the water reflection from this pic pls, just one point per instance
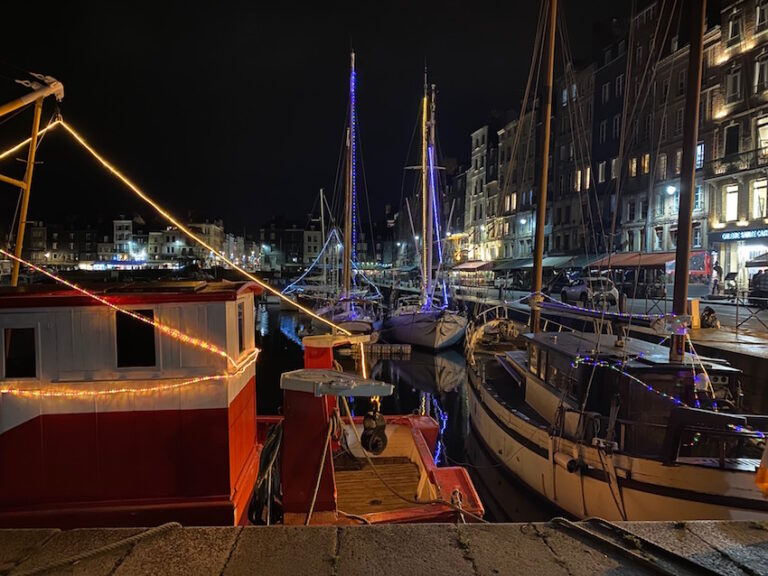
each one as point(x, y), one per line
point(424, 383)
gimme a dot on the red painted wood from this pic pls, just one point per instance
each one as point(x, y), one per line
point(95, 466)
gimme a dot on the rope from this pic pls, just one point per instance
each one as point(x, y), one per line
point(320, 471)
point(455, 507)
point(131, 540)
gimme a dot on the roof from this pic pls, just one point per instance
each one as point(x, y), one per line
point(473, 266)
point(45, 295)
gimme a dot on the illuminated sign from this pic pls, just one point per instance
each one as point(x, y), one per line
point(745, 234)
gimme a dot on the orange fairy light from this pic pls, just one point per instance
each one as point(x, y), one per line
point(167, 330)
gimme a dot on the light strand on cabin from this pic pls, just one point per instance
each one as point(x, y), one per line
point(163, 328)
point(79, 393)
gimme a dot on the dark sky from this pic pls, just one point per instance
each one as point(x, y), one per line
point(236, 110)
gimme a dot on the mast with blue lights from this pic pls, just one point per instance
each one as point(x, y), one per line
point(350, 205)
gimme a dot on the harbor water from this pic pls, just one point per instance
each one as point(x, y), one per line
point(433, 384)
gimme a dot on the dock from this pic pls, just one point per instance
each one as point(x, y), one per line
point(557, 547)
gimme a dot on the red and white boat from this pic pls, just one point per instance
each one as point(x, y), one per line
point(106, 421)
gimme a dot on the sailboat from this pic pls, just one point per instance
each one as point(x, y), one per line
point(351, 307)
point(601, 424)
point(426, 321)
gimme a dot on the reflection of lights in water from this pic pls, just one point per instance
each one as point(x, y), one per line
point(263, 317)
point(442, 417)
point(288, 329)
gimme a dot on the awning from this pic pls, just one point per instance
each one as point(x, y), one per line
point(635, 260)
point(513, 264)
point(758, 262)
point(473, 266)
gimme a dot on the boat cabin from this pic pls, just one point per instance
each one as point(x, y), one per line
point(633, 396)
point(112, 421)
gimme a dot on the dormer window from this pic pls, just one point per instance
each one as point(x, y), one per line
point(734, 29)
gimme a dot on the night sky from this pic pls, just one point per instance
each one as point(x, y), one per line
point(237, 111)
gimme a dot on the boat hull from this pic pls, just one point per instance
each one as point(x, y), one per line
point(613, 486)
point(433, 329)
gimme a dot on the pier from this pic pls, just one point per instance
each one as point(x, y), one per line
point(557, 547)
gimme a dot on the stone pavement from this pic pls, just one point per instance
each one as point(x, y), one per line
point(737, 548)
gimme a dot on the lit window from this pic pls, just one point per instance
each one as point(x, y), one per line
point(646, 163)
point(759, 197)
point(678, 162)
point(19, 352)
point(698, 198)
point(658, 238)
point(613, 168)
point(577, 181)
point(699, 155)
point(696, 235)
point(601, 172)
point(565, 96)
point(731, 203)
point(633, 167)
point(587, 177)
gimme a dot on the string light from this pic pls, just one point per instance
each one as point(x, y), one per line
point(79, 393)
point(165, 214)
point(352, 123)
point(437, 220)
point(167, 330)
point(24, 143)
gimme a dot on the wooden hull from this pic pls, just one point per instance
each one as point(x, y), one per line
point(613, 487)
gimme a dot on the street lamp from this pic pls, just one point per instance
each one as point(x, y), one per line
point(671, 190)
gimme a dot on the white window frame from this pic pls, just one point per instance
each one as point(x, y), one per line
point(731, 203)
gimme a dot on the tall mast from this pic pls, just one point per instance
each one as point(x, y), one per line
point(425, 248)
point(541, 206)
point(350, 186)
point(322, 236)
point(430, 231)
point(688, 172)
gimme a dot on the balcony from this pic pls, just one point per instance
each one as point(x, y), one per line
point(733, 163)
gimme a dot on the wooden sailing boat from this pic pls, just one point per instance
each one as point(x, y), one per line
point(427, 322)
point(604, 425)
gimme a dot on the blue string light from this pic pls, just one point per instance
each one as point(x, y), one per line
point(353, 122)
point(437, 220)
point(443, 417)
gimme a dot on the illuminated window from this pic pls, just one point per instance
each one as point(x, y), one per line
point(731, 203)
point(577, 181)
point(587, 177)
point(19, 352)
point(658, 238)
point(678, 162)
point(646, 163)
point(135, 340)
point(565, 96)
point(614, 167)
point(698, 198)
point(759, 198)
point(699, 155)
point(601, 172)
point(633, 167)
point(696, 235)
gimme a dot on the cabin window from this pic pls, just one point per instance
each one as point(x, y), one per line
point(533, 360)
point(241, 326)
point(135, 340)
point(19, 352)
point(542, 364)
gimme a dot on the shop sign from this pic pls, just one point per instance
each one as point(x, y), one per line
point(742, 235)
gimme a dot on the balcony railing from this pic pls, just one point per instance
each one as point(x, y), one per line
point(732, 163)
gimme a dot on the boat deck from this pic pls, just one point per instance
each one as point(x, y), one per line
point(360, 491)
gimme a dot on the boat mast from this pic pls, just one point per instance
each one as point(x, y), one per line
point(425, 248)
point(348, 204)
point(430, 227)
point(688, 173)
point(323, 239)
point(541, 206)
